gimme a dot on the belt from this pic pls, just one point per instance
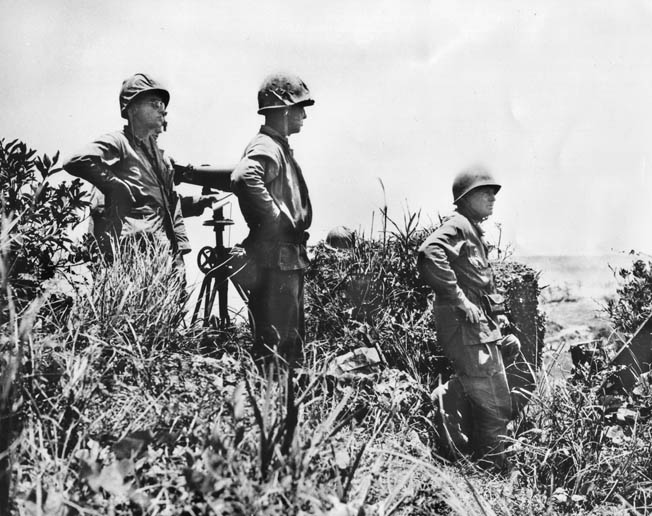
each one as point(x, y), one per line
point(295, 239)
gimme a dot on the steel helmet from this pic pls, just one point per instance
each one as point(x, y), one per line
point(280, 90)
point(470, 179)
point(137, 84)
point(340, 237)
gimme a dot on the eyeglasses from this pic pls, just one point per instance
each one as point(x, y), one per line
point(157, 104)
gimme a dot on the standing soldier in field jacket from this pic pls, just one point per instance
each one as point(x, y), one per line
point(133, 174)
point(453, 261)
point(274, 201)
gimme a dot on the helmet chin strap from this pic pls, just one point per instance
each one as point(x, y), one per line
point(286, 112)
point(130, 122)
point(132, 126)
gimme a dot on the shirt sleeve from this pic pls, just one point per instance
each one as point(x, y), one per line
point(180, 233)
point(93, 163)
point(248, 182)
point(434, 263)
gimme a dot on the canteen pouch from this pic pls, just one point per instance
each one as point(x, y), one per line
point(494, 304)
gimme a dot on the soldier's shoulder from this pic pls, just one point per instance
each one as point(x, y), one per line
point(265, 146)
point(453, 222)
point(450, 226)
point(114, 135)
point(458, 221)
point(114, 138)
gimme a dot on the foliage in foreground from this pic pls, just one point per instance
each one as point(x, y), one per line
point(585, 450)
point(633, 302)
point(119, 422)
point(116, 408)
point(38, 217)
point(115, 422)
point(371, 295)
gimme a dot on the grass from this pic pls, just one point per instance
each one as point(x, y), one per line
point(119, 407)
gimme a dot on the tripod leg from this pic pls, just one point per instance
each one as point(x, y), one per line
point(241, 291)
point(223, 293)
point(199, 300)
point(209, 298)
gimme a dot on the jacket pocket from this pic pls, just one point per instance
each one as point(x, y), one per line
point(451, 324)
point(447, 323)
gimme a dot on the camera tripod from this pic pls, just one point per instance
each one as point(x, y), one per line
point(214, 263)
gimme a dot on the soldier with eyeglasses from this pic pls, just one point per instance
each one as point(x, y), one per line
point(133, 174)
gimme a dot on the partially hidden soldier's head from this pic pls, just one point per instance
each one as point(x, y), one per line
point(143, 102)
point(474, 192)
point(282, 98)
point(340, 237)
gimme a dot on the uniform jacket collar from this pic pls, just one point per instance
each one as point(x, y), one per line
point(273, 133)
point(474, 223)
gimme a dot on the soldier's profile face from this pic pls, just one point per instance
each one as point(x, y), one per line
point(481, 200)
point(149, 110)
point(296, 115)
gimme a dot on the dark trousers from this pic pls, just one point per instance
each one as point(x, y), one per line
point(475, 405)
point(474, 411)
point(277, 315)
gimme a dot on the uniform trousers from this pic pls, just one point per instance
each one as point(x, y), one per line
point(475, 405)
point(277, 314)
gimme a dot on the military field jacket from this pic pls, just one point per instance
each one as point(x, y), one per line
point(453, 261)
point(274, 201)
point(144, 168)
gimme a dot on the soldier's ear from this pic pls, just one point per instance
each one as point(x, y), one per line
point(131, 109)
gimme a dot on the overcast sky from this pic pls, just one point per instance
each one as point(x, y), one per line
point(554, 97)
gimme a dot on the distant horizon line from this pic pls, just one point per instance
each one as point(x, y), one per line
point(582, 255)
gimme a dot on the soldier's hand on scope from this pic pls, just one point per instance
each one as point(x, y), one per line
point(503, 321)
point(182, 173)
point(471, 311)
point(206, 201)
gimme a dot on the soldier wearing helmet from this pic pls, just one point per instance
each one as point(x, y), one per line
point(454, 262)
point(274, 201)
point(340, 237)
point(133, 174)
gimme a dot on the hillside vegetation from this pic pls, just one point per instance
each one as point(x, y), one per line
point(112, 404)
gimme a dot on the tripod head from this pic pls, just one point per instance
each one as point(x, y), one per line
point(209, 257)
point(213, 261)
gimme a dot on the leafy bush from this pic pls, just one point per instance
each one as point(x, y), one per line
point(35, 217)
point(633, 302)
point(586, 451)
point(371, 295)
point(583, 450)
point(39, 217)
point(520, 285)
point(122, 414)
